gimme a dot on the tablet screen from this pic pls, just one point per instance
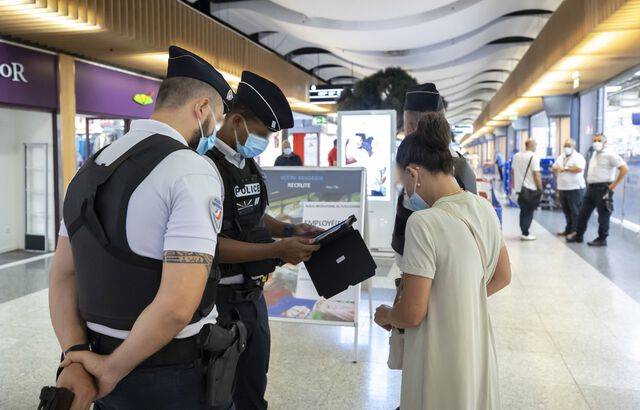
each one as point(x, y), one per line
point(346, 223)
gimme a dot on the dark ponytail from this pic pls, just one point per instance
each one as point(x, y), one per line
point(428, 146)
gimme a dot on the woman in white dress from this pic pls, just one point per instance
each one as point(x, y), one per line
point(454, 258)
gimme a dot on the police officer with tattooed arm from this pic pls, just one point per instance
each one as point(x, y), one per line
point(247, 252)
point(130, 286)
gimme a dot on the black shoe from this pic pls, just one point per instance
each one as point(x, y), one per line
point(598, 242)
point(574, 239)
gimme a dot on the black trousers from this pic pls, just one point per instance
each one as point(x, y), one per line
point(526, 216)
point(571, 200)
point(593, 199)
point(253, 364)
point(167, 387)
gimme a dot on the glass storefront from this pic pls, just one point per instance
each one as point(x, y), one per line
point(92, 134)
point(622, 128)
point(540, 132)
point(28, 162)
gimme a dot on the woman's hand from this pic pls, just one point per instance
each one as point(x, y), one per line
point(382, 317)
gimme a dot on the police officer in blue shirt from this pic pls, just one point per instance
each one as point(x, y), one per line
point(247, 252)
point(130, 285)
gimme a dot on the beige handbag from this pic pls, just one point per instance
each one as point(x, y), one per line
point(396, 349)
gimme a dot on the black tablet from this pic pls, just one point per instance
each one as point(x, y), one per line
point(336, 228)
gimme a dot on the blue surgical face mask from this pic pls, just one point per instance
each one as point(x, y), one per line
point(206, 143)
point(415, 200)
point(408, 204)
point(253, 146)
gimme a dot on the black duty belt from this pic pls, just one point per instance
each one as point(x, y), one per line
point(237, 293)
point(600, 184)
point(178, 351)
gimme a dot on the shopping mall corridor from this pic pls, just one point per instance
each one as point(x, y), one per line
point(567, 338)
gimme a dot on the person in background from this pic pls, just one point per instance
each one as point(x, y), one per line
point(605, 171)
point(569, 170)
point(288, 157)
point(500, 165)
point(526, 176)
point(454, 258)
point(420, 100)
point(333, 154)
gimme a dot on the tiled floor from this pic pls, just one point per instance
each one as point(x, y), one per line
point(620, 261)
point(567, 338)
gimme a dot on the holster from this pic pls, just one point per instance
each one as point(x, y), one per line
point(222, 344)
point(55, 398)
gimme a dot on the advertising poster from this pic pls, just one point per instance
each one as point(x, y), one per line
point(365, 141)
point(310, 150)
point(323, 198)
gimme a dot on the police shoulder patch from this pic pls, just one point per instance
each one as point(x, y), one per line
point(215, 209)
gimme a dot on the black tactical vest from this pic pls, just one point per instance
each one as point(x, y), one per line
point(467, 181)
point(245, 202)
point(114, 283)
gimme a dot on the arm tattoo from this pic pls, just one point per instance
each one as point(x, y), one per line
point(188, 257)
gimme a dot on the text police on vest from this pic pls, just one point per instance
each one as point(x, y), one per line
point(247, 190)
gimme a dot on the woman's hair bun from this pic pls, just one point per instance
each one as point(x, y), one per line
point(429, 145)
point(434, 132)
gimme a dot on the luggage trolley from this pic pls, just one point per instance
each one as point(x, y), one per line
point(548, 200)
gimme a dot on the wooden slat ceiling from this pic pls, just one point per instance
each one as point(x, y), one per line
point(135, 34)
point(596, 38)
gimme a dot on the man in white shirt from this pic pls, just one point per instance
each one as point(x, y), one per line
point(569, 171)
point(605, 171)
point(130, 285)
point(525, 168)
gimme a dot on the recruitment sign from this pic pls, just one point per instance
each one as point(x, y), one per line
point(322, 197)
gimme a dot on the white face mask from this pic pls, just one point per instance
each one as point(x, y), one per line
point(286, 151)
point(598, 146)
point(568, 151)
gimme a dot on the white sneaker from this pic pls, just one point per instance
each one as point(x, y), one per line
point(527, 237)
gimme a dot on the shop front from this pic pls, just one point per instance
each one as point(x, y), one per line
point(312, 137)
point(622, 129)
point(28, 150)
point(107, 99)
point(539, 130)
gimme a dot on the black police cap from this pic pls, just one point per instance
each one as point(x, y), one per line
point(423, 97)
point(265, 100)
point(183, 63)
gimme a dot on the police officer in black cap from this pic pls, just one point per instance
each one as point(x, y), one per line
point(247, 252)
point(130, 285)
point(419, 100)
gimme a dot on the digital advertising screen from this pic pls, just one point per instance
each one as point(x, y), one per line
point(365, 139)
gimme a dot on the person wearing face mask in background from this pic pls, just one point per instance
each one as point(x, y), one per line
point(605, 171)
point(288, 157)
point(569, 171)
point(130, 285)
point(247, 254)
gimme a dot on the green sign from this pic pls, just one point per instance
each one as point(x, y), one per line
point(319, 120)
point(143, 99)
